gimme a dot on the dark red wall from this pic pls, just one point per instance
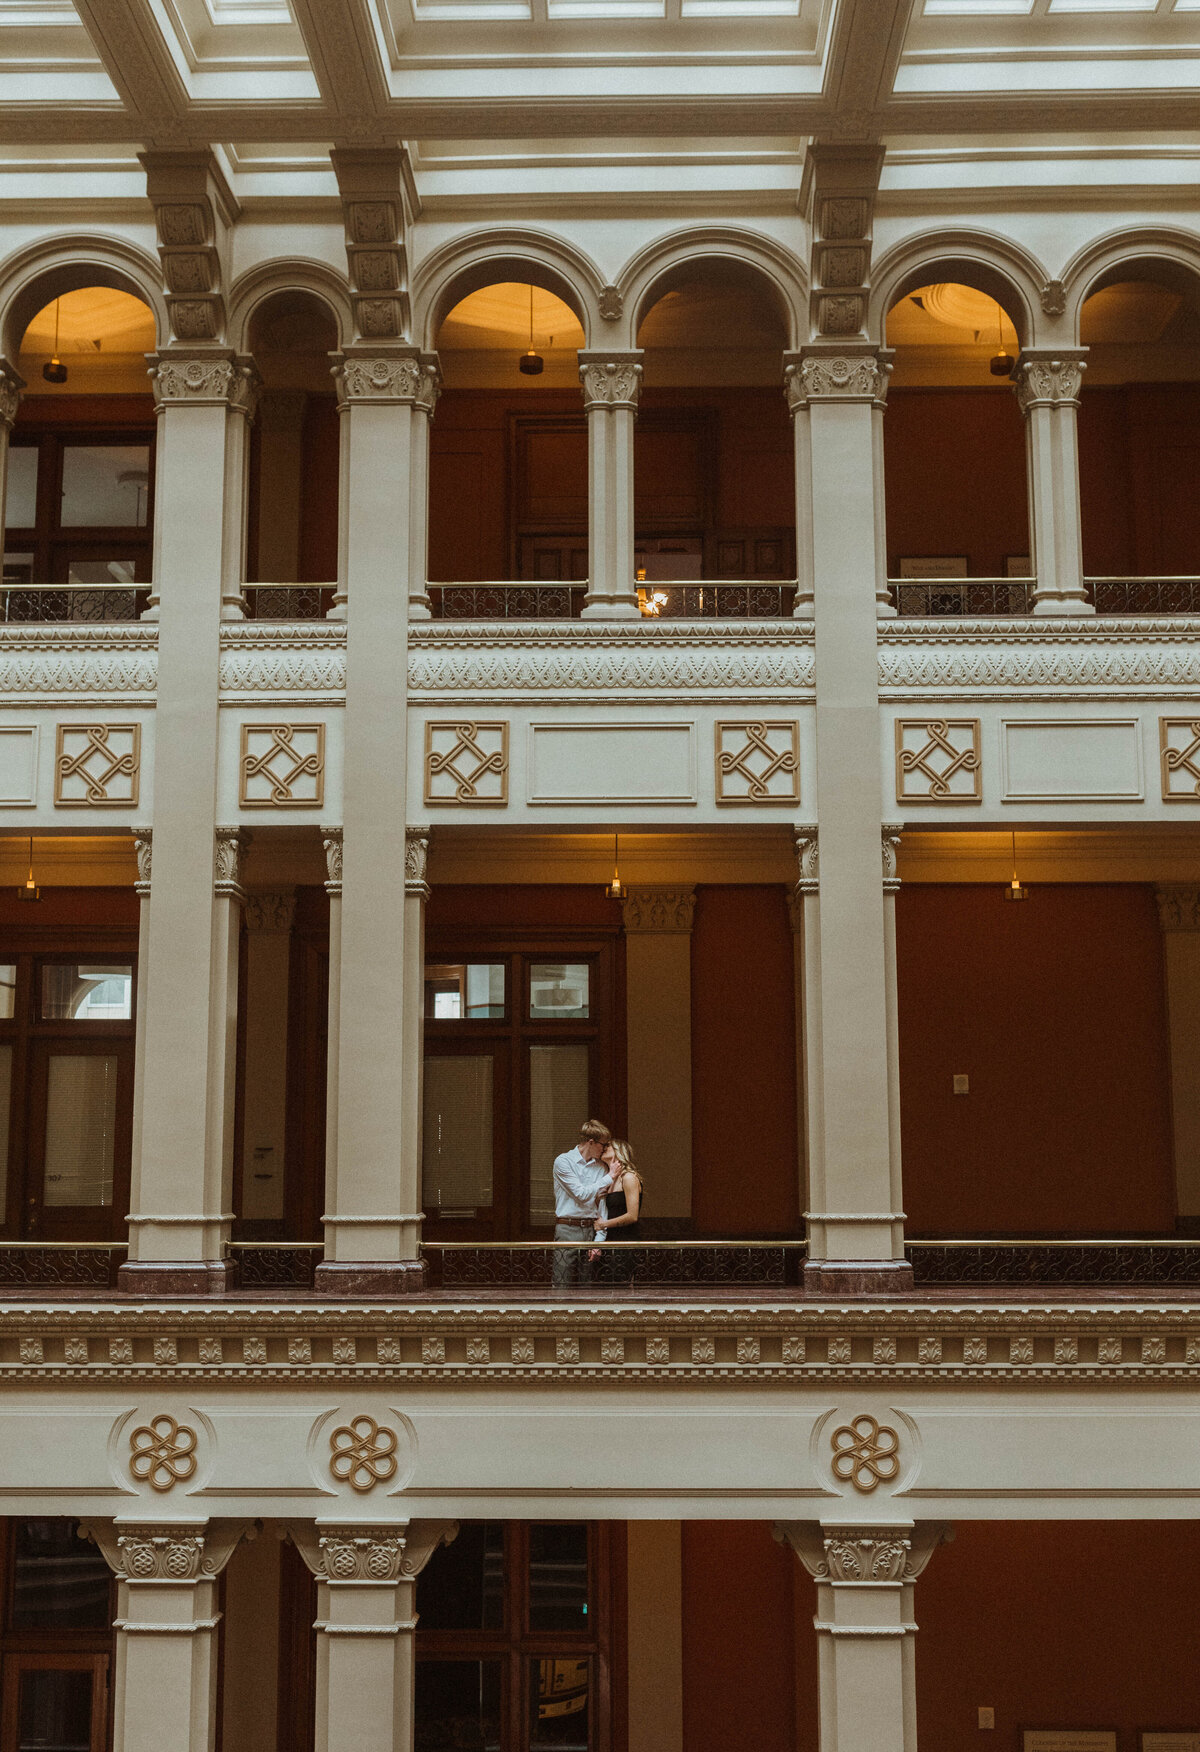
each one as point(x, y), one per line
point(749, 1682)
point(954, 464)
point(1056, 1010)
point(745, 1173)
point(1058, 1624)
point(1139, 461)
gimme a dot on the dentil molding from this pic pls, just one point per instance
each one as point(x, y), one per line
point(784, 1343)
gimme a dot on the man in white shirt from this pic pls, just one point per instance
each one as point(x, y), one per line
point(580, 1181)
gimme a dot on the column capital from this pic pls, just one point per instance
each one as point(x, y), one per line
point(143, 838)
point(416, 855)
point(396, 1551)
point(1048, 377)
point(11, 385)
point(331, 839)
point(610, 379)
point(228, 845)
point(663, 911)
point(195, 377)
point(271, 915)
point(893, 1553)
point(808, 874)
point(844, 374)
point(1178, 907)
point(166, 1551)
point(891, 834)
point(388, 377)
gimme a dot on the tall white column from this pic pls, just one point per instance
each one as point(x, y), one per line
point(264, 1098)
point(805, 910)
point(865, 1624)
point(11, 385)
point(1179, 917)
point(797, 400)
point(372, 1225)
point(165, 1676)
point(658, 1009)
point(180, 1208)
point(1047, 387)
point(332, 840)
point(412, 1069)
point(366, 1619)
point(855, 1223)
point(419, 605)
point(612, 383)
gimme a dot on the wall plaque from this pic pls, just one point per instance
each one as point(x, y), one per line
point(1169, 1740)
point(1069, 1740)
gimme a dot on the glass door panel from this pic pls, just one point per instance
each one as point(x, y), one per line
point(81, 1123)
point(463, 1134)
point(559, 1085)
point(458, 1704)
point(559, 1700)
point(53, 1703)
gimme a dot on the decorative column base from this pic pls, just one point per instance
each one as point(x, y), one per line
point(610, 608)
point(857, 1277)
point(1046, 603)
point(177, 1277)
point(395, 1279)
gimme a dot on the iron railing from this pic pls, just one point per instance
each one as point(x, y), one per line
point(1178, 595)
point(1117, 1263)
point(461, 1265)
point(499, 601)
point(54, 1265)
point(962, 596)
point(281, 1265)
point(84, 604)
point(720, 599)
point(288, 602)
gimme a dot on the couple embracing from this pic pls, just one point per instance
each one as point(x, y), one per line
point(597, 1192)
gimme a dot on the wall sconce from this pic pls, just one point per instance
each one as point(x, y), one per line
point(616, 888)
point(650, 602)
point(29, 889)
point(1015, 891)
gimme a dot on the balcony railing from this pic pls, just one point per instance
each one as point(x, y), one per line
point(288, 602)
point(78, 604)
point(715, 599)
point(1178, 595)
point(60, 1265)
point(1043, 1263)
point(962, 596)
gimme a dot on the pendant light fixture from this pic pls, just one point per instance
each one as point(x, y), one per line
point(30, 889)
point(1015, 891)
point(55, 371)
point(1002, 361)
point(531, 364)
point(616, 888)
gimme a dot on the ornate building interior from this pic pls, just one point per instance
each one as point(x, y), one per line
point(633, 560)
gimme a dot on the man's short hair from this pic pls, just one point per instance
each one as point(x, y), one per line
point(594, 1131)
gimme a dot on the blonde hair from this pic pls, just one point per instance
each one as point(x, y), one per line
point(623, 1151)
point(594, 1131)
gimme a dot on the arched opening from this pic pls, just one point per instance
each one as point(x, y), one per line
point(79, 506)
point(714, 476)
point(1139, 441)
point(293, 507)
point(508, 461)
point(955, 454)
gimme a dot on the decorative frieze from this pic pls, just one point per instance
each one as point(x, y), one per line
point(1089, 657)
point(938, 760)
point(401, 377)
point(1179, 746)
point(835, 376)
point(758, 761)
point(416, 860)
point(375, 184)
point(183, 379)
point(1178, 907)
point(162, 1453)
point(143, 842)
point(866, 1453)
point(466, 763)
point(891, 834)
point(193, 210)
point(362, 1454)
point(282, 766)
point(97, 766)
point(228, 845)
point(331, 839)
point(661, 911)
point(159, 1554)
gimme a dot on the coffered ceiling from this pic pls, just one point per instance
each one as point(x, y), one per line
point(537, 89)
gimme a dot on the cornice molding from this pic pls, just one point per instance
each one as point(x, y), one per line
point(785, 1343)
point(1003, 658)
point(56, 665)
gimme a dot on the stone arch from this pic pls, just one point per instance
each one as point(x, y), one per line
point(1161, 253)
point(46, 270)
point(258, 284)
point(991, 264)
point(482, 259)
point(653, 271)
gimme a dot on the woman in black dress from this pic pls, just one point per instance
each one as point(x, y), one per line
point(624, 1208)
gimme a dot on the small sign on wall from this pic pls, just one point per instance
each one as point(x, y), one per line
point(1169, 1740)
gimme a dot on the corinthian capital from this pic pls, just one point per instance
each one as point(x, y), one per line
point(1049, 379)
point(391, 377)
point(182, 378)
point(824, 375)
point(11, 385)
point(610, 380)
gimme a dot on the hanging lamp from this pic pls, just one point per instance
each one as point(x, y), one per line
point(1002, 361)
point(531, 364)
point(54, 371)
point(29, 889)
point(616, 888)
point(1015, 891)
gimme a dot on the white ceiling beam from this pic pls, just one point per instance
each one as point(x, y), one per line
point(138, 61)
point(342, 48)
point(864, 53)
